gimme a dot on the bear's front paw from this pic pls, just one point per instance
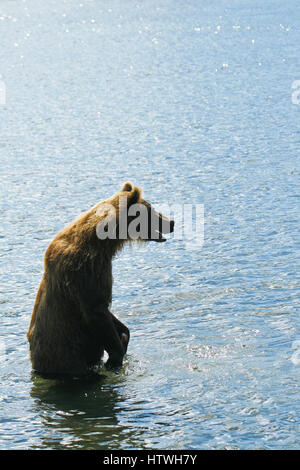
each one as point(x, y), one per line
point(114, 362)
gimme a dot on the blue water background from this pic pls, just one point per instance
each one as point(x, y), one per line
point(192, 101)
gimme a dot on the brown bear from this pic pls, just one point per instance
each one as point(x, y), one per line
point(71, 324)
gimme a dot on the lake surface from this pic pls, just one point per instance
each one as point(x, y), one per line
point(192, 101)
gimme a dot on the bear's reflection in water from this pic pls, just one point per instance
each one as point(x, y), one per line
point(83, 414)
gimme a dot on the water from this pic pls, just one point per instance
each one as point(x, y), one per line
point(191, 100)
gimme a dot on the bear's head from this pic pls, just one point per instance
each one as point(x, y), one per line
point(126, 216)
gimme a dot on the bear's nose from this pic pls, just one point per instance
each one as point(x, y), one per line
point(172, 223)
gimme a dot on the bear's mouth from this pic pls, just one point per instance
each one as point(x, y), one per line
point(156, 234)
point(159, 238)
point(168, 227)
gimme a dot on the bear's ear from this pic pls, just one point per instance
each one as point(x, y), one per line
point(127, 187)
point(134, 195)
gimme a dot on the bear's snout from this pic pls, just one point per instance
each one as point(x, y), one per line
point(166, 225)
